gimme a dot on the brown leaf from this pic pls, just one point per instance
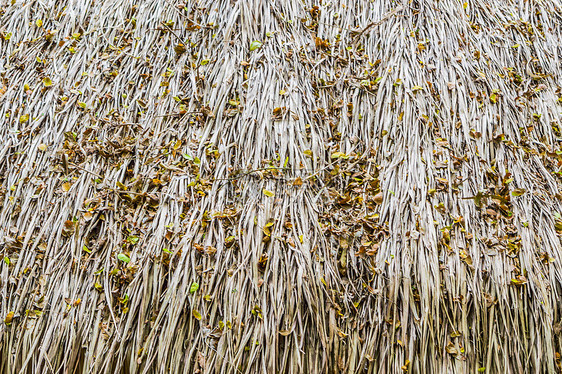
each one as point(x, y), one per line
point(180, 49)
point(451, 349)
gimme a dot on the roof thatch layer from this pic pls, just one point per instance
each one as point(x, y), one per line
point(280, 186)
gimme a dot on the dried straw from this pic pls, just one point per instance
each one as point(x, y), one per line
point(280, 186)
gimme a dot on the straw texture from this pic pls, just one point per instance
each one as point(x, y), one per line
point(284, 186)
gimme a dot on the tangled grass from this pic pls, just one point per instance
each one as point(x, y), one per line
point(280, 186)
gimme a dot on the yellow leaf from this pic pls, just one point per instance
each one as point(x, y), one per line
point(520, 280)
point(518, 192)
point(405, 366)
point(42, 147)
point(39, 23)
point(9, 318)
point(24, 118)
point(268, 193)
point(417, 88)
point(196, 314)
point(47, 82)
point(66, 186)
point(255, 45)
point(340, 155)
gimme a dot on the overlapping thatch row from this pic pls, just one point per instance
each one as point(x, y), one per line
point(280, 186)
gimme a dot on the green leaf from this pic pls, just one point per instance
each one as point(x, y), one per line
point(268, 193)
point(255, 45)
point(123, 257)
point(167, 251)
point(204, 62)
point(85, 249)
point(7, 260)
point(194, 287)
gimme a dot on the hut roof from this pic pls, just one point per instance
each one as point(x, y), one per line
point(280, 186)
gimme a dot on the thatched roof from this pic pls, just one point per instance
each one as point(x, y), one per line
point(280, 186)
